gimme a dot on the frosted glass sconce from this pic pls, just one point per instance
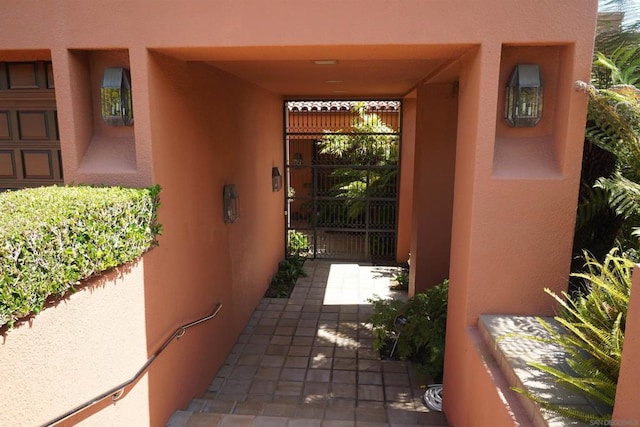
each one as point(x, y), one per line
point(115, 95)
point(230, 203)
point(523, 107)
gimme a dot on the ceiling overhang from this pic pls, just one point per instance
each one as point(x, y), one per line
point(329, 71)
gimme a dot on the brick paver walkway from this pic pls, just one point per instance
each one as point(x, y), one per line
point(309, 361)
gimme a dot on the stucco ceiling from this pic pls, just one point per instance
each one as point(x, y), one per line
point(346, 77)
point(321, 71)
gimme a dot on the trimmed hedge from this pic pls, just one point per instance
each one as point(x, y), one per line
point(53, 237)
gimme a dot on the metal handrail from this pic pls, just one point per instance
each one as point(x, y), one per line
point(118, 391)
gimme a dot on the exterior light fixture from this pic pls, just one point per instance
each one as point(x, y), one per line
point(523, 106)
point(230, 202)
point(115, 94)
point(276, 179)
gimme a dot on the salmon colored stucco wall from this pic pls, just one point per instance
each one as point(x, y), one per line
point(433, 185)
point(209, 129)
point(407, 164)
point(626, 407)
point(514, 198)
point(92, 151)
point(489, 400)
point(85, 345)
point(197, 128)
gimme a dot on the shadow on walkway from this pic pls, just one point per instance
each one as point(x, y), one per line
point(309, 361)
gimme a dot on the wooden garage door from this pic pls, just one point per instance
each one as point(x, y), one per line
point(29, 141)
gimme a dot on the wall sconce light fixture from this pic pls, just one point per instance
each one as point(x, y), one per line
point(230, 203)
point(115, 94)
point(276, 179)
point(523, 107)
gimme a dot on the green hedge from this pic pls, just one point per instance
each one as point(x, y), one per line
point(53, 237)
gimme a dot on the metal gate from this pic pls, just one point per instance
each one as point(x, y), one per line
point(342, 178)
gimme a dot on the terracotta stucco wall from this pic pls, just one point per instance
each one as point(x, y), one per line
point(92, 151)
point(433, 185)
point(626, 408)
point(197, 128)
point(209, 129)
point(407, 164)
point(85, 345)
point(514, 202)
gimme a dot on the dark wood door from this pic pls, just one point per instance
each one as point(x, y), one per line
point(29, 140)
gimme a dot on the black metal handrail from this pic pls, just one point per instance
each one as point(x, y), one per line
point(118, 391)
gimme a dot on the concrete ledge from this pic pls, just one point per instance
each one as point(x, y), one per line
point(505, 336)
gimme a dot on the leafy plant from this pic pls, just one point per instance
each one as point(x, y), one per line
point(402, 280)
point(416, 328)
point(289, 270)
point(297, 243)
point(620, 66)
point(384, 313)
point(53, 237)
point(593, 335)
point(609, 208)
point(611, 157)
point(610, 38)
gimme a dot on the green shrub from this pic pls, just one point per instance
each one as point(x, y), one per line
point(297, 244)
point(421, 335)
point(286, 277)
point(402, 280)
point(53, 237)
point(593, 335)
point(383, 316)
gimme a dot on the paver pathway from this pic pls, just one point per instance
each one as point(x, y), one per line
point(309, 361)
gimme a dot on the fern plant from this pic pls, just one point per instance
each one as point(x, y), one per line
point(611, 151)
point(614, 127)
point(593, 334)
point(420, 335)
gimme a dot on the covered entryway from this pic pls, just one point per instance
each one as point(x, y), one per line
point(342, 162)
point(29, 140)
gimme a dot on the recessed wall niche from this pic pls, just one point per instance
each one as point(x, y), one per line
point(533, 152)
point(102, 149)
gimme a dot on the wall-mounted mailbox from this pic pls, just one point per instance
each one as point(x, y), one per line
point(276, 179)
point(230, 203)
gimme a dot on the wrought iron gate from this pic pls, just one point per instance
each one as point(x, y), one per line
point(342, 178)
